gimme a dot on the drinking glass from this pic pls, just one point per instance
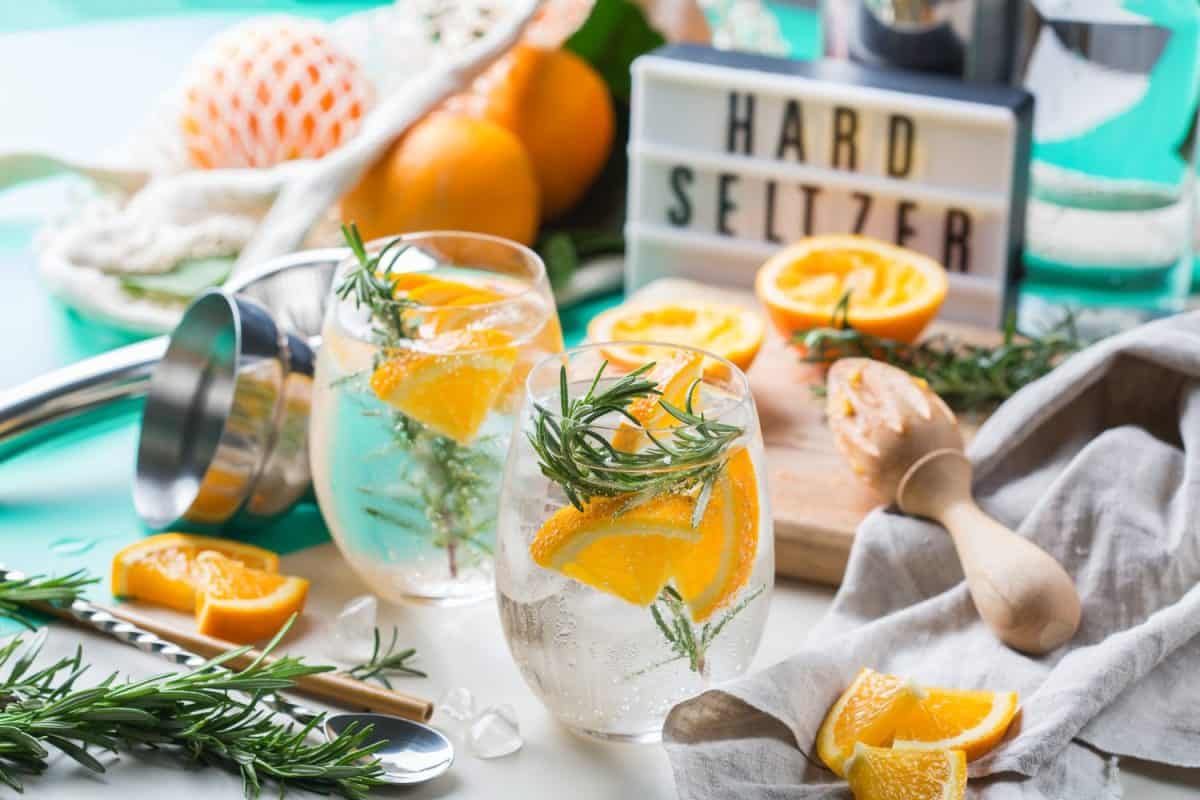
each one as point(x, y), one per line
point(635, 558)
point(414, 403)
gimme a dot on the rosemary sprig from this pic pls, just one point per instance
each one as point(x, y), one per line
point(582, 461)
point(371, 285)
point(15, 594)
point(968, 377)
point(384, 660)
point(210, 715)
point(684, 639)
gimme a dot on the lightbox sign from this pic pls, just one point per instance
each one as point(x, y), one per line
point(733, 155)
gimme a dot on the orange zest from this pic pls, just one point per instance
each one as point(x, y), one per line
point(881, 710)
point(893, 292)
point(162, 569)
point(728, 331)
point(451, 383)
point(877, 773)
point(674, 377)
point(241, 604)
point(633, 552)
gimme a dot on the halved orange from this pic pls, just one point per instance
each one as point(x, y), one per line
point(674, 377)
point(162, 569)
point(241, 604)
point(633, 552)
point(729, 331)
point(971, 721)
point(894, 292)
point(450, 383)
point(868, 713)
point(877, 773)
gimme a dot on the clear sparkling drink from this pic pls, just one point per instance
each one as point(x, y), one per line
point(418, 380)
point(617, 606)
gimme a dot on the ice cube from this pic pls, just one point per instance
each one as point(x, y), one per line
point(458, 704)
point(353, 630)
point(495, 733)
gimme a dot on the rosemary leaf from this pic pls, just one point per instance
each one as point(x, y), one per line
point(386, 659)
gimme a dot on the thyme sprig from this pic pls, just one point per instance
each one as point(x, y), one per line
point(386, 659)
point(686, 641)
point(579, 458)
point(15, 594)
point(210, 715)
point(968, 377)
point(371, 285)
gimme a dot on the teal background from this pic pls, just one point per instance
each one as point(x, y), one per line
point(66, 505)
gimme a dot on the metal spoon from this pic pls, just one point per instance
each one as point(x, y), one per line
point(411, 753)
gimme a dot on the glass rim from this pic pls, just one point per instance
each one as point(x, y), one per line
point(733, 374)
point(528, 255)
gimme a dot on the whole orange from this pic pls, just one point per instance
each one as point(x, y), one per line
point(448, 172)
point(560, 109)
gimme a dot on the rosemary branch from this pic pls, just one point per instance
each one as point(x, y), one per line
point(371, 285)
point(968, 377)
point(686, 641)
point(384, 660)
point(198, 714)
point(573, 454)
point(64, 589)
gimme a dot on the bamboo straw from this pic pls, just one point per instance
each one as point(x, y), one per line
point(328, 686)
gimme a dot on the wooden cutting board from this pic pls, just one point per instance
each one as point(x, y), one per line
point(816, 501)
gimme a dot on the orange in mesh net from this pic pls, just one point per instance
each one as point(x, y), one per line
point(271, 90)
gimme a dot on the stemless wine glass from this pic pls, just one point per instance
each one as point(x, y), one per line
point(635, 557)
point(426, 344)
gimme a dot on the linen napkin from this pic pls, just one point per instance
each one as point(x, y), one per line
point(1099, 463)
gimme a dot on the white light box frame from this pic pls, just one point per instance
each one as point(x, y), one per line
point(732, 156)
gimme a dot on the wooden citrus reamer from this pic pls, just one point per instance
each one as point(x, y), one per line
point(902, 439)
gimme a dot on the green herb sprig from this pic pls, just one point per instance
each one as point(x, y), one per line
point(209, 715)
point(686, 641)
point(371, 285)
point(16, 594)
point(386, 659)
point(968, 377)
point(573, 454)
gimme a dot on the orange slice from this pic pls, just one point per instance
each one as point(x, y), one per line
point(628, 554)
point(452, 384)
point(709, 573)
point(894, 292)
point(877, 773)
point(241, 604)
point(867, 712)
point(729, 331)
point(633, 553)
point(952, 719)
point(162, 569)
point(674, 377)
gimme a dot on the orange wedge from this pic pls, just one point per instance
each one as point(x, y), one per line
point(633, 553)
point(452, 384)
point(894, 292)
point(709, 573)
point(674, 377)
point(953, 719)
point(729, 331)
point(162, 569)
point(867, 712)
point(877, 773)
point(241, 604)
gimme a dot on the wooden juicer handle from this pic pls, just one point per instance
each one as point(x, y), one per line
point(1022, 593)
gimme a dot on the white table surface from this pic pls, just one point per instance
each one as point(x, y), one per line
point(465, 648)
point(58, 78)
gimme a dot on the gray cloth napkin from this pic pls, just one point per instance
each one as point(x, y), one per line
point(1099, 463)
